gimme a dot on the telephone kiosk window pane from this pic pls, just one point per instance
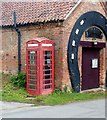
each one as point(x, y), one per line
point(47, 72)
point(48, 86)
point(48, 61)
point(47, 67)
point(47, 57)
point(32, 57)
point(32, 82)
point(32, 87)
point(47, 76)
point(48, 53)
point(47, 81)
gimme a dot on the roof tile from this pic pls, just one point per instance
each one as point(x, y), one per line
point(29, 12)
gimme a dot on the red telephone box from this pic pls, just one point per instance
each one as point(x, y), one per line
point(40, 66)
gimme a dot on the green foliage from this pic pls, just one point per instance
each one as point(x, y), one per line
point(65, 88)
point(58, 90)
point(19, 80)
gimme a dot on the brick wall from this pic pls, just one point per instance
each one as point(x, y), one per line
point(51, 31)
point(58, 32)
point(1, 51)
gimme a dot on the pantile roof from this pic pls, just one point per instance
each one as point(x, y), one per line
point(32, 12)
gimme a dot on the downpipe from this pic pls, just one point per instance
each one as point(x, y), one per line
point(19, 43)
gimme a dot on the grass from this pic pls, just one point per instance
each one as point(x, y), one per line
point(11, 93)
point(64, 98)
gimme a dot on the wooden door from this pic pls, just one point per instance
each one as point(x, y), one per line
point(90, 68)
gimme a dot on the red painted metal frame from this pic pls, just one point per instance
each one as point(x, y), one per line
point(33, 92)
point(46, 48)
point(40, 61)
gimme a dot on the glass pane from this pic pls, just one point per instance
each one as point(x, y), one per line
point(47, 53)
point(47, 72)
point(32, 57)
point(32, 67)
point(48, 86)
point(47, 57)
point(47, 76)
point(47, 67)
point(32, 82)
point(32, 72)
point(32, 77)
point(32, 87)
point(94, 32)
point(48, 61)
point(47, 81)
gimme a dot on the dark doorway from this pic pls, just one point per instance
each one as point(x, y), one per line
point(90, 68)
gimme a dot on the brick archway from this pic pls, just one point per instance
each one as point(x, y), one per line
point(85, 21)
